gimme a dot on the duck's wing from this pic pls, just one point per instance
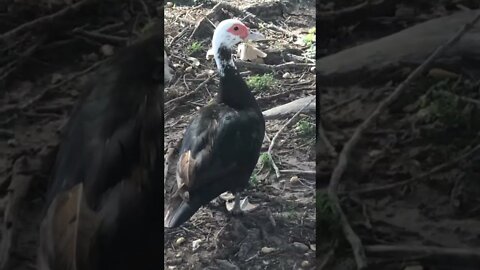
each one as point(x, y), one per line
point(216, 144)
point(219, 151)
point(118, 115)
point(65, 232)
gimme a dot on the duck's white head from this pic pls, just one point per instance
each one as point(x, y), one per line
point(229, 33)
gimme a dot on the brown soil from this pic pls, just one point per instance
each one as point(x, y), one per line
point(38, 89)
point(420, 131)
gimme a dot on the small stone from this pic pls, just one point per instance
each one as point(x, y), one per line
point(169, 4)
point(287, 75)
point(196, 244)
point(442, 74)
point(188, 69)
point(91, 57)
point(313, 247)
point(180, 241)
point(179, 254)
point(305, 264)
point(414, 267)
point(294, 179)
point(404, 12)
point(107, 50)
point(267, 250)
point(313, 69)
point(12, 142)
point(300, 246)
point(56, 77)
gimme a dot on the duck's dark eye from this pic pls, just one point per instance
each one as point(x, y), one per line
point(235, 28)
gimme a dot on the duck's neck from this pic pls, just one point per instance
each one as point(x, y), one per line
point(223, 59)
point(233, 92)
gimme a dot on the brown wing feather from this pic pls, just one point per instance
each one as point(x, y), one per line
point(66, 232)
point(188, 165)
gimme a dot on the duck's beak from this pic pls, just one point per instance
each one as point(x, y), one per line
point(254, 36)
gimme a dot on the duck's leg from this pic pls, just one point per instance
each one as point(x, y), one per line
point(237, 210)
point(183, 192)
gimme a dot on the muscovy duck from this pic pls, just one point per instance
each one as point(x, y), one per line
point(104, 205)
point(221, 146)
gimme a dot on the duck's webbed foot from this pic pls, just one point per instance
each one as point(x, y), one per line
point(238, 207)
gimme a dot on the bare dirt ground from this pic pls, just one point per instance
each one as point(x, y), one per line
point(428, 135)
point(280, 233)
point(41, 70)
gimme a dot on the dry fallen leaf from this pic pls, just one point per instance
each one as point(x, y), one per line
point(180, 241)
point(227, 196)
point(196, 244)
point(267, 250)
point(195, 61)
point(248, 52)
point(210, 54)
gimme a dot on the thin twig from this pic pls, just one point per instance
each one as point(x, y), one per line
point(323, 138)
point(341, 104)
point(14, 66)
point(270, 68)
point(185, 29)
point(45, 19)
point(272, 143)
point(355, 242)
point(288, 92)
point(145, 9)
point(328, 257)
point(462, 98)
point(180, 98)
point(425, 175)
point(168, 157)
point(102, 37)
point(48, 89)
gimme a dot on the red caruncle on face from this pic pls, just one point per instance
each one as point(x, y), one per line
point(239, 30)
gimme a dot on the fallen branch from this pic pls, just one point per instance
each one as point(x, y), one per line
point(289, 108)
point(271, 68)
point(15, 65)
point(46, 19)
point(367, 9)
point(462, 254)
point(434, 170)
point(286, 93)
point(370, 60)
point(299, 172)
point(272, 143)
point(355, 242)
